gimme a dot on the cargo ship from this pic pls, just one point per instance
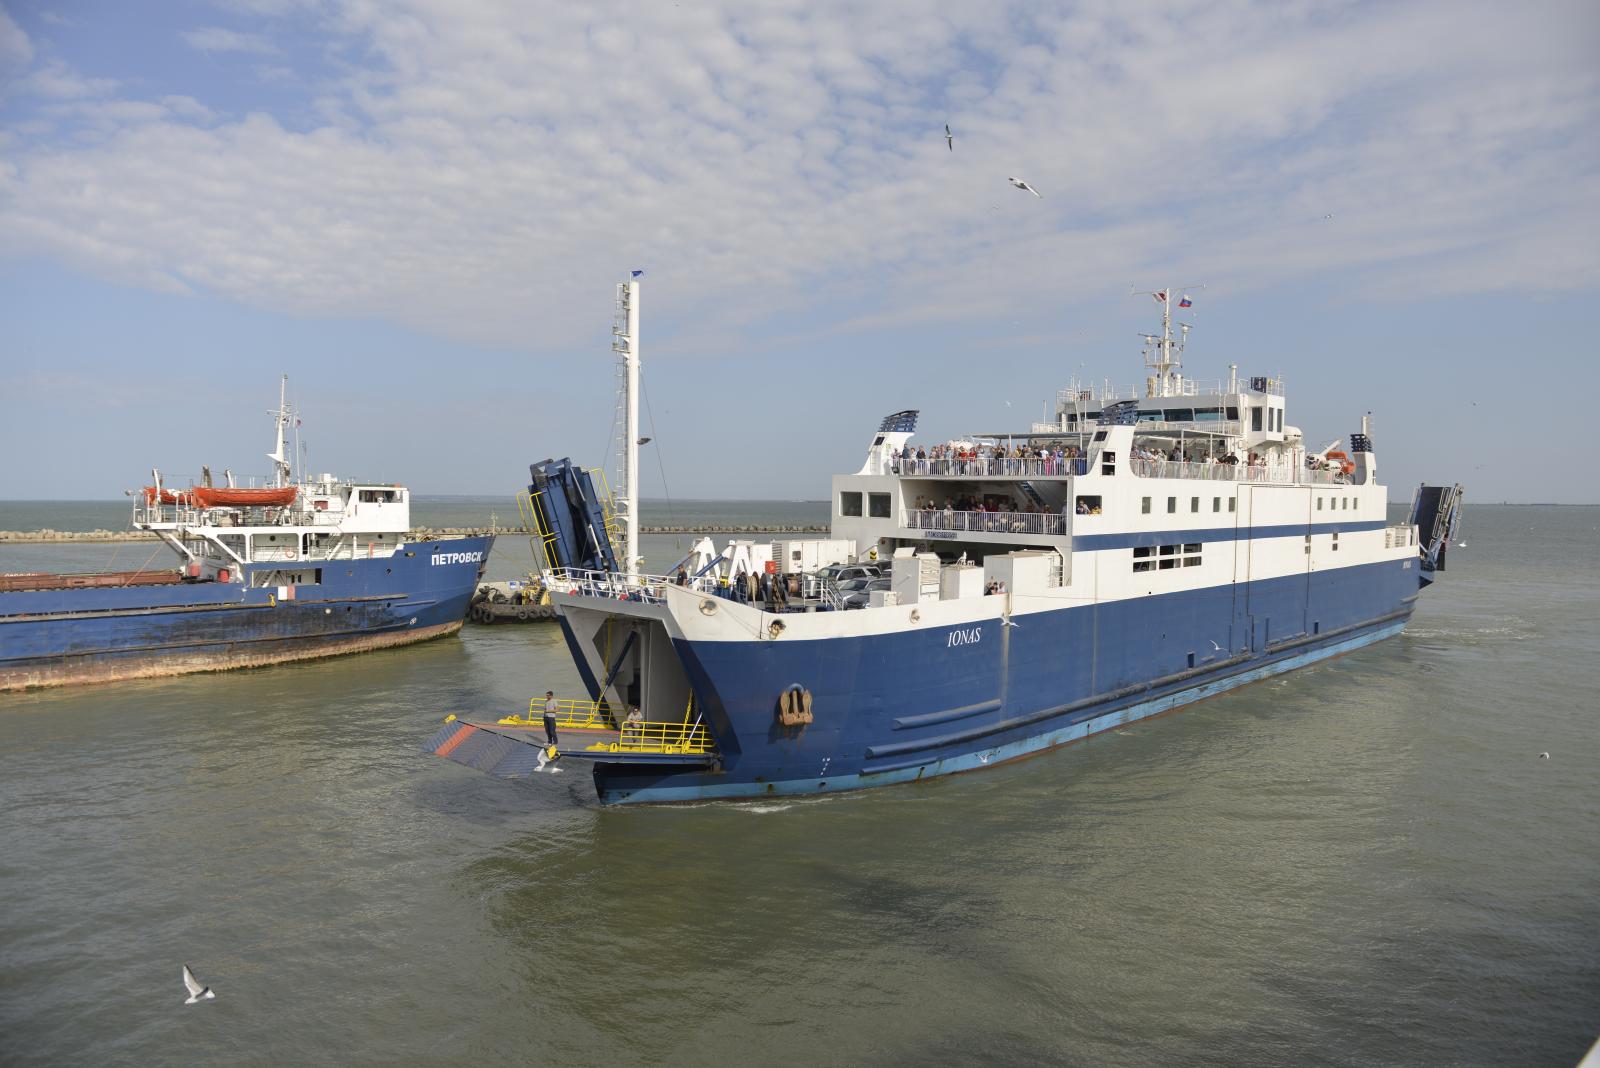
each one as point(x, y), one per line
point(1147, 547)
point(291, 570)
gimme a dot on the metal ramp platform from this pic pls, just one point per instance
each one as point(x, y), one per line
point(1436, 512)
point(514, 747)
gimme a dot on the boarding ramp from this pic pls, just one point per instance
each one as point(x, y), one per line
point(1436, 513)
point(570, 516)
point(516, 746)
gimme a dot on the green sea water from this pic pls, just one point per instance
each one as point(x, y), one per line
point(1365, 862)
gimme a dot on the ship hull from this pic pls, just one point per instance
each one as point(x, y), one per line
point(910, 705)
point(76, 636)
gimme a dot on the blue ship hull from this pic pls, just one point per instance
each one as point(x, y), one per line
point(908, 705)
point(65, 636)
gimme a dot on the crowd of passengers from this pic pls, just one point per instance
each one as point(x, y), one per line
point(962, 458)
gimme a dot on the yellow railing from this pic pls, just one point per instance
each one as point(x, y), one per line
point(646, 737)
point(569, 713)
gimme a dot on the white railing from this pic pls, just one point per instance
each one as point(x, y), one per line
point(1047, 523)
point(1219, 472)
point(610, 585)
point(991, 466)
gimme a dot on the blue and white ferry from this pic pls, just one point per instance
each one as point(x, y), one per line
point(291, 570)
point(1146, 548)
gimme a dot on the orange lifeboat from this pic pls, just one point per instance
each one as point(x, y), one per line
point(224, 497)
point(167, 496)
point(1346, 464)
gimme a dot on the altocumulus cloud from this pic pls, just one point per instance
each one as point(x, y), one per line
point(481, 170)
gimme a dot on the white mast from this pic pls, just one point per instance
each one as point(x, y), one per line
point(625, 342)
point(280, 465)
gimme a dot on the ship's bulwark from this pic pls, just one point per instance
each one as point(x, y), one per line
point(62, 637)
point(908, 705)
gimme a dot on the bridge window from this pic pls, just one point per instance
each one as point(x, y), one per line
point(1255, 418)
point(1233, 414)
point(849, 503)
point(878, 504)
point(1207, 415)
point(1180, 415)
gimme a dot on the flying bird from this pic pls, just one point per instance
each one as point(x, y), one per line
point(1214, 645)
point(1544, 756)
point(949, 138)
point(1020, 184)
point(198, 991)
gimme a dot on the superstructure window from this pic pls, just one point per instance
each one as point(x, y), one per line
point(1216, 504)
point(849, 503)
point(1172, 505)
point(1230, 504)
point(878, 505)
point(1255, 418)
point(1319, 504)
point(1233, 414)
point(1144, 505)
point(1194, 504)
point(1166, 557)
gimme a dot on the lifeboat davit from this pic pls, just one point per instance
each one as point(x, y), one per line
point(224, 497)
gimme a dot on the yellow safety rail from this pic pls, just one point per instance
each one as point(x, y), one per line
point(644, 737)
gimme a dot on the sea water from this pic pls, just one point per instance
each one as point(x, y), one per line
point(1363, 862)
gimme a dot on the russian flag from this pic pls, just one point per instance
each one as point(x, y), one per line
point(1186, 302)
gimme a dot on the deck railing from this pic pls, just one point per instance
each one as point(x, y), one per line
point(645, 737)
point(1219, 472)
point(988, 522)
point(988, 467)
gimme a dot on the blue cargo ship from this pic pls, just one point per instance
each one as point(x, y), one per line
point(1144, 549)
point(292, 570)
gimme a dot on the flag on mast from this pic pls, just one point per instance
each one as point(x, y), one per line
point(1161, 297)
point(1186, 302)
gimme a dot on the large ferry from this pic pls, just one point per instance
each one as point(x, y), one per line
point(291, 570)
point(1144, 549)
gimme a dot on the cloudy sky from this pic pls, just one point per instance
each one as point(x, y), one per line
point(418, 210)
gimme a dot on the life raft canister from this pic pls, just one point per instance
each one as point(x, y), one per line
point(794, 707)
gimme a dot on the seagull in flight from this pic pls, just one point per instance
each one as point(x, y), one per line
point(198, 991)
point(949, 138)
point(1020, 184)
point(1214, 645)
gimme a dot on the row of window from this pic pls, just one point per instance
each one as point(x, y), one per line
point(1170, 415)
point(1194, 504)
point(1274, 419)
point(877, 503)
point(1166, 557)
point(1336, 504)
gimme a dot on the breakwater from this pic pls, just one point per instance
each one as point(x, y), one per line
point(23, 537)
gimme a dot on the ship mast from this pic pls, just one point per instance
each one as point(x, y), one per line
point(1165, 355)
point(625, 342)
point(280, 464)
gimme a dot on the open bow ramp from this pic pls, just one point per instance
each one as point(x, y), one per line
point(515, 747)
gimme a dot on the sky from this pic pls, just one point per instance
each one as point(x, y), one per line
point(418, 210)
